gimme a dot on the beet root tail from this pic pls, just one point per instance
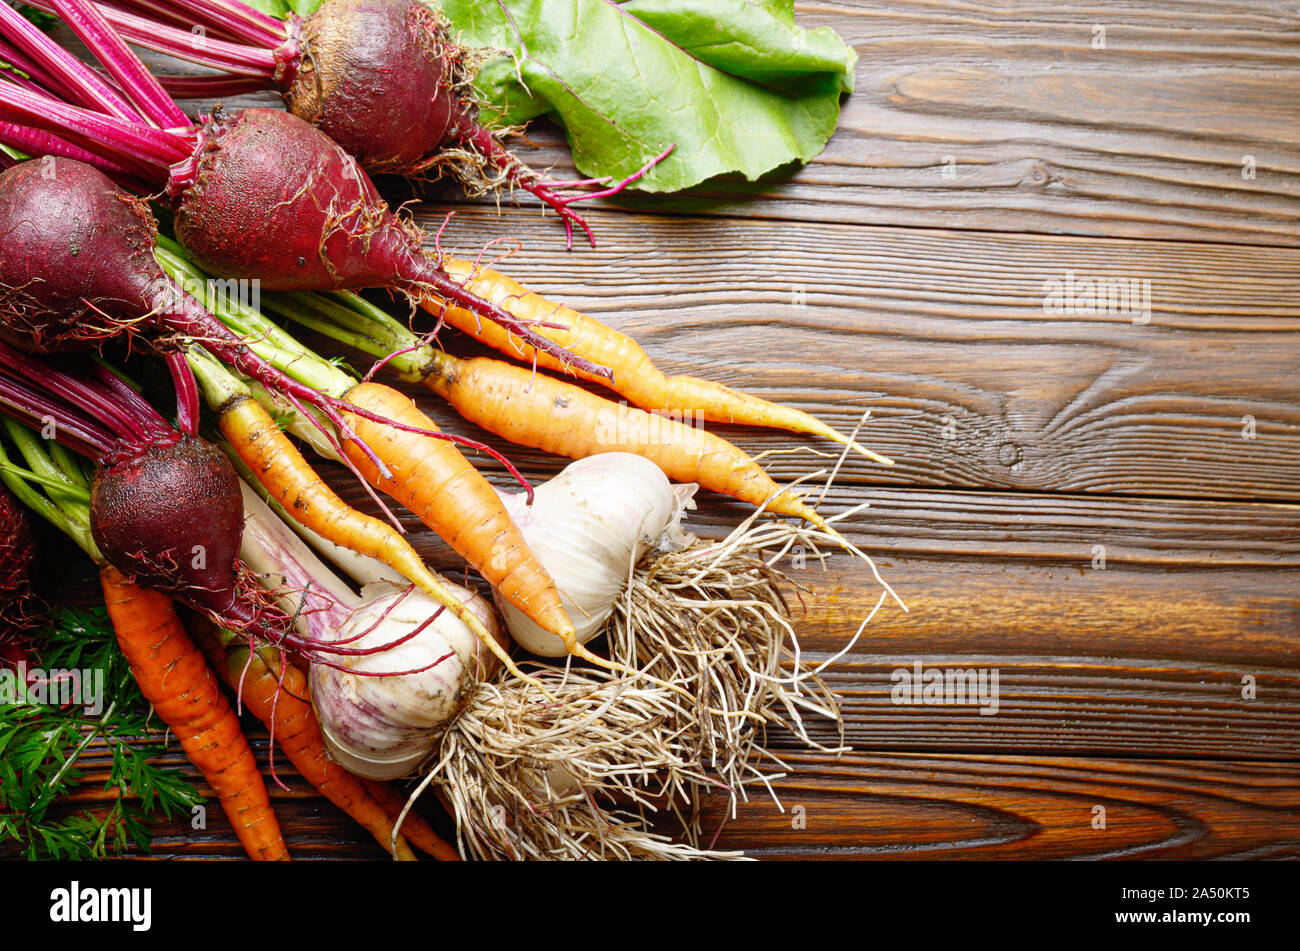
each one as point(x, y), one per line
point(436, 281)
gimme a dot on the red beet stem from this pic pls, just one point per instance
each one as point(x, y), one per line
point(187, 392)
point(182, 44)
point(163, 11)
point(133, 424)
point(31, 141)
point(211, 87)
point(235, 19)
point(94, 413)
point(133, 141)
point(425, 271)
point(90, 89)
point(35, 409)
point(140, 408)
point(123, 65)
point(36, 73)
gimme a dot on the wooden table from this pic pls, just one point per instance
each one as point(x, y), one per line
point(1102, 507)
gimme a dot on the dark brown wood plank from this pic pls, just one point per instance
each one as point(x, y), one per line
point(898, 806)
point(944, 337)
point(905, 806)
point(1004, 117)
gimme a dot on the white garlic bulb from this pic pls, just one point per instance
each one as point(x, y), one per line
point(381, 727)
point(588, 527)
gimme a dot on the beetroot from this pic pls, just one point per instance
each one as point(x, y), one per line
point(383, 78)
point(259, 194)
point(78, 265)
point(379, 77)
point(78, 269)
point(170, 514)
point(319, 222)
point(267, 196)
point(165, 508)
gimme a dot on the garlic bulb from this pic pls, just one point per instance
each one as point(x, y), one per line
point(382, 727)
point(588, 527)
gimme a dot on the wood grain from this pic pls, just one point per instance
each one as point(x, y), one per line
point(901, 806)
point(914, 806)
point(943, 336)
point(1004, 117)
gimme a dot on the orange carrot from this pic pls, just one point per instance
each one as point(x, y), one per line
point(174, 677)
point(278, 695)
point(415, 827)
point(436, 482)
point(203, 633)
point(635, 376)
point(530, 408)
point(533, 409)
point(282, 470)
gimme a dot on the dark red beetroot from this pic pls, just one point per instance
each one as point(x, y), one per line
point(78, 265)
point(383, 78)
point(166, 508)
point(78, 269)
point(270, 197)
point(379, 77)
point(170, 514)
point(260, 194)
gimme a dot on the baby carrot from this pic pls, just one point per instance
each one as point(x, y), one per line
point(281, 469)
point(437, 483)
point(635, 376)
point(532, 409)
point(174, 677)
